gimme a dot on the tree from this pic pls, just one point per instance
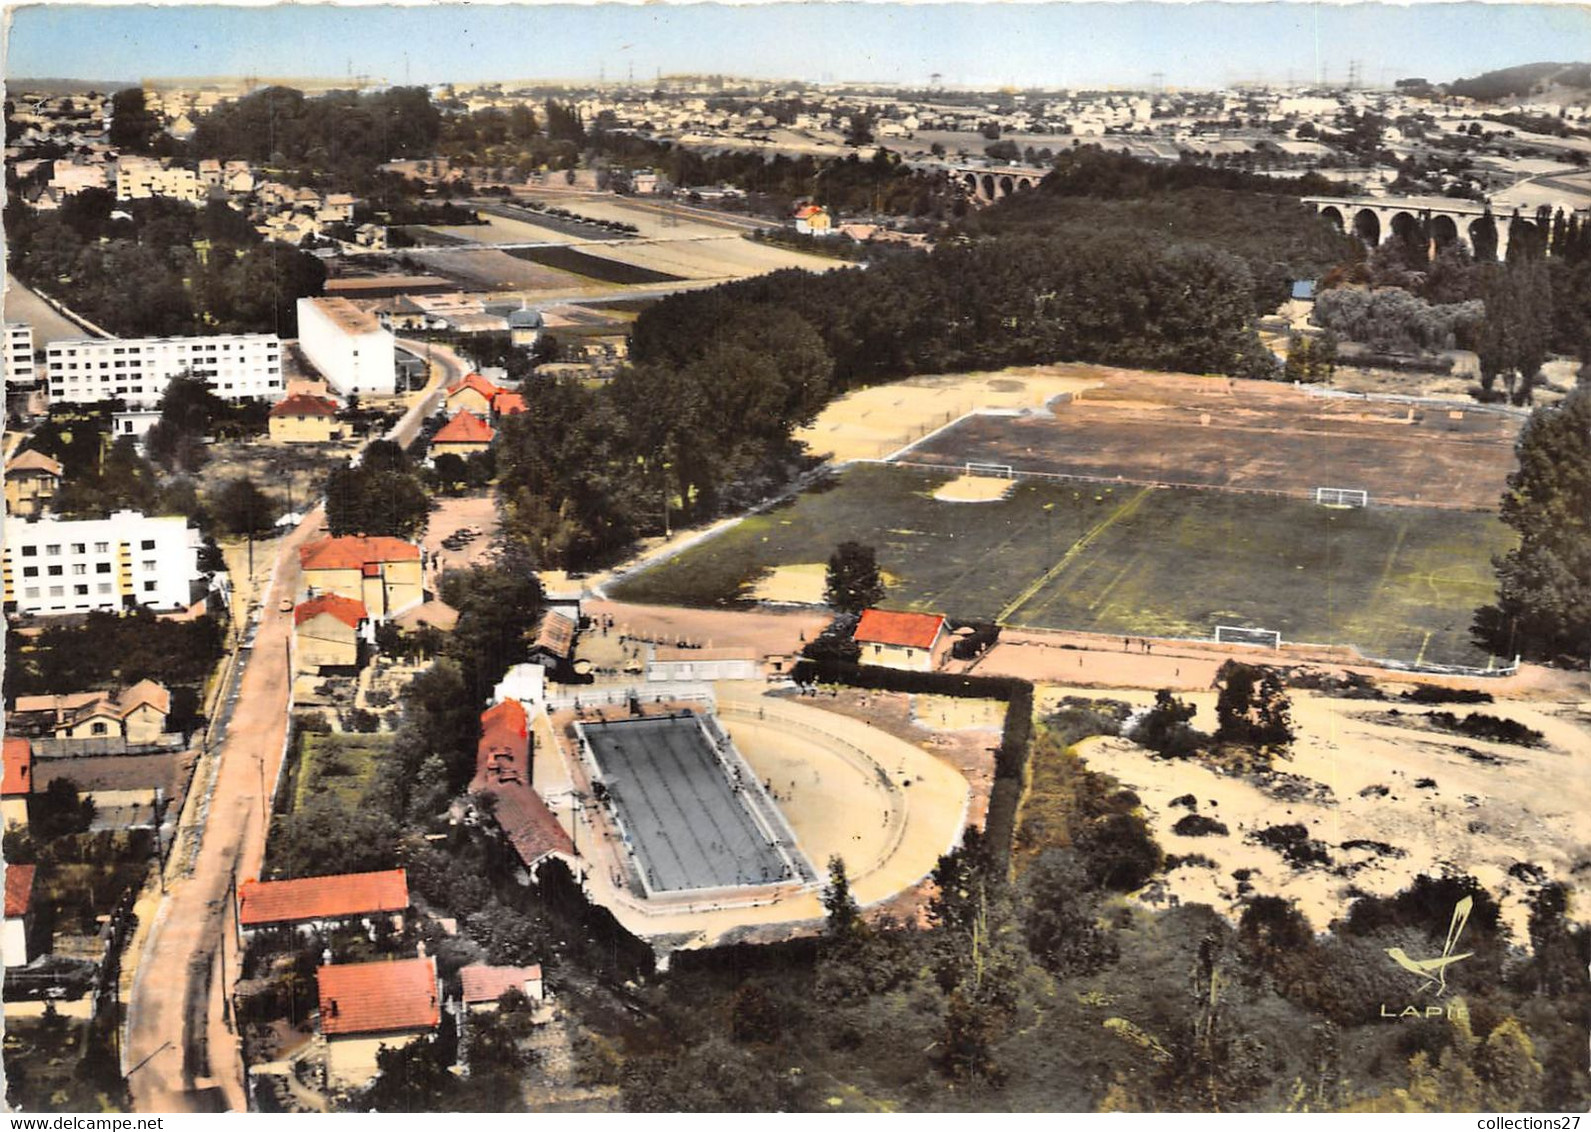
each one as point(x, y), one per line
point(853, 582)
point(1164, 729)
point(859, 129)
point(1059, 916)
point(243, 509)
point(1543, 606)
point(370, 501)
point(132, 126)
point(58, 811)
point(1253, 708)
point(844, 916)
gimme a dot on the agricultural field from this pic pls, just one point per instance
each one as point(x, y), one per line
point(1398, 583)
point(1191, 431)
point(577, 262)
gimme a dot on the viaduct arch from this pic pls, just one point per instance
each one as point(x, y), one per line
point(987, 185)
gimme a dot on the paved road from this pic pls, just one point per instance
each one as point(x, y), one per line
point(181, 1047)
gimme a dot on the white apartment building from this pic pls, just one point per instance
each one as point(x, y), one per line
point(79, 565)
point(349, 346)
point(85, 370)
point(138, 178)
point(18, 355)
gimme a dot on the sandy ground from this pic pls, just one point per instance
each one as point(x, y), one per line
point(801, 584)
point(887, 807)
point(873, 422)
point(975, 489)
point(652, 221)
point(49, 325)
point(454, 513)
point(767, 633)
point(505, 230)
point(1438, 800)
point(718, 256)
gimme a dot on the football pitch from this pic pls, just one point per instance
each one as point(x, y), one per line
point(1399, 583)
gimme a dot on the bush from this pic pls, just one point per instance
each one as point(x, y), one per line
point(1197, 825)
point(1293, 843)
point(1478, 725)
point(1432, 694)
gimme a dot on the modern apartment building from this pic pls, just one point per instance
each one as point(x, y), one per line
point(139, 178)
point(350, 348)
point(86, 370)
point(18, 354)
point(78, 565)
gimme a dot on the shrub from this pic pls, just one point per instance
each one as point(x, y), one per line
point(1294, 844)
point(1197, 825)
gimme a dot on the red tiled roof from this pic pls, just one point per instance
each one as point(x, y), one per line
point(466, 428)
point(903, 630)
point(351, 552)
point(19, 890)
point(502, 769)
point(506, 404)
point(345, 609)
point(305, 405)
point(473, 381)
point(488, 984)
point(322, 898)
point(18, 767)
point(377, 998)
point(807, 211)
point(146, 692)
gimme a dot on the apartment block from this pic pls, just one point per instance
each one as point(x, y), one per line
point(79, 565)
point(85, 370)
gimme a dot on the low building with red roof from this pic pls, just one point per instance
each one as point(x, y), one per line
point(19, 914)
point(328, 630)
point(384, 573)
point(507, 404)
point(137, 714)
point(365, 1006)
point(483, 986)
point(916, 642)
point(553, 641)
point(18, 782)
point(813, 220)
point(317, 903)
point(304, 418)
point(464, 435)
point(504, 762)
point(32, 479)
point(472, 393)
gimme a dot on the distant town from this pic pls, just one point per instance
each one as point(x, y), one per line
point(701, 594)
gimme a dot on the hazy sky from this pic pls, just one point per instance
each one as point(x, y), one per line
point(981, 45)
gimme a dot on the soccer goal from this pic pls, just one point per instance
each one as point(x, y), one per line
point(1004, 471)
point(1241, 635)
point(1342, 497)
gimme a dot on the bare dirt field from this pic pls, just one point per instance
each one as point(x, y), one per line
point(294, 475)
point(719, 256)
point(873, 422)
point(1181, 430)
point(1386, 799)
point(487, 269)
point(975, 489)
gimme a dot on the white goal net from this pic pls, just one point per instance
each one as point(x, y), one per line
point(1004, 471)
point(1241, 635)
point(1342, 497)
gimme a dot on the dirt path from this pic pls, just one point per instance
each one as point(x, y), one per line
point(181, 1049)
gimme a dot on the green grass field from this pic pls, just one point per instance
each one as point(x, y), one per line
point(1400, 583)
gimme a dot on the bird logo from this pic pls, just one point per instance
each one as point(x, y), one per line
point(1433, 972)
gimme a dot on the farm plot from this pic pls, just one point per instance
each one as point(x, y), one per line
point(716, 257)
point(1198, 432)
point(600, 268)
point(1400, 583)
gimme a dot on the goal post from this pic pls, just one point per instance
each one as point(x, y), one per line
point(1003, 471)
point(1342, 497)
point(1243, 635)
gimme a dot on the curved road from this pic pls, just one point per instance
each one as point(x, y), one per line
point(181, 1049)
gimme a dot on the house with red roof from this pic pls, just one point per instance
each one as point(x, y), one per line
point(311, 904)
point(813, 220)
point(328, 630)
point(483, 986)
point(916, 642)
point(365, 1006)
point(463, 436)
point(384, 573)
point(304, 418)
point(18, 782)
point(19, 914)
point(504, 761)
point(472, 393)
point(31, 481)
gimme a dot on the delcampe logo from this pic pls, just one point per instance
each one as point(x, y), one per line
point(1433, 972)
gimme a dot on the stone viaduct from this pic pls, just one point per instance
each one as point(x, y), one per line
point(987, 184)
point(1375, 220)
